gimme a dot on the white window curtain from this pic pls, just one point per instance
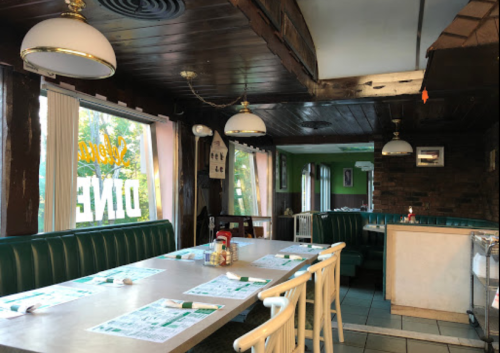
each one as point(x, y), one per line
point(62, 160)
point(326, 188)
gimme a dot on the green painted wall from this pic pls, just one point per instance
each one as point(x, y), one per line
point(337, 162)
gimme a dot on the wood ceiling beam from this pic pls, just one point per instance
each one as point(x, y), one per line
point(321, 140)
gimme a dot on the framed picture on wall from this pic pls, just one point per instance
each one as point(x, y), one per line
point(348, 178)
point(430, 156)
point(283, 172)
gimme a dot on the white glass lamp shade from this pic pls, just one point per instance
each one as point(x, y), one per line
point(245, 124)
point(69, 47)
point(397, 147)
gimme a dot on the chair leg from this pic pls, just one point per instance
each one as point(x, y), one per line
point(327, 334)
point(339, 319)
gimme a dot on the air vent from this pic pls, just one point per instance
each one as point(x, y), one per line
point(315, 125)
point(153, 10)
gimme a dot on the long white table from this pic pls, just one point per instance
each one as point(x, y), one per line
point(63, 328)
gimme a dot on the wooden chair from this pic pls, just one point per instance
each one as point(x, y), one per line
point(335, 250)
point(323, 273)
point(276, 335)
point(294, 291)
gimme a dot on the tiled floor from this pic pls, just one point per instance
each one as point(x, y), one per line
point(362, 304)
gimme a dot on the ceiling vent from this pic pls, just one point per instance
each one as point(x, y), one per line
point(315, 125)
point(152, 10)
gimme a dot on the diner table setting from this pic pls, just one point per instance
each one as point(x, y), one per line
point(168, 303)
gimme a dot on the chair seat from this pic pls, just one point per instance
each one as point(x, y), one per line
point(222, 340)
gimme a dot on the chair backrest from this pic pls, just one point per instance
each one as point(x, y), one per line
point(335, 250)
point(295, 290)
point(303, 224)
point(323, 272)
point(270, 336)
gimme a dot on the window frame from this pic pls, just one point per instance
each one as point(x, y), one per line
point(135, 115)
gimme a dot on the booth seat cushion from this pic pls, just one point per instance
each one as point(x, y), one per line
point(42, 260)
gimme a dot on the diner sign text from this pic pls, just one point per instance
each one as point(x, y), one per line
point(112, 189)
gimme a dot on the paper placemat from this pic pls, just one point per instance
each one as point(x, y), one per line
point(153, 322)
point(198, 255)
point(47, 297)
point(134, 273)
point(223, 287)
point(297, 249)
point(272, 262)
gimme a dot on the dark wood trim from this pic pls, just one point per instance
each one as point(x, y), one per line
point(20, 152)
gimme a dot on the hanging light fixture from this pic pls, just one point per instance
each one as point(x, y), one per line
point(68, 46)
point(243, 124)
point(397, 147)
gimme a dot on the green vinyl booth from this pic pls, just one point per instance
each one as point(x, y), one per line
point(30, 262)
point(333, 227)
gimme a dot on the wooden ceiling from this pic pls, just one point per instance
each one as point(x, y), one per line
point(212, 38)
point(471, 113)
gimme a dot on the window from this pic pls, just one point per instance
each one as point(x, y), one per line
point(308, 188)
point(325, 188)
point(370, 190)
point(245, 185)
point(115, 176)
point(115, 181)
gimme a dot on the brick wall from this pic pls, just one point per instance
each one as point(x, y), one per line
point(454, 190)
point(490, 184)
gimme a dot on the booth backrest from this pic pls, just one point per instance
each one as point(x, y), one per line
point(31, 262)
point(391, 218)
point(335, 227)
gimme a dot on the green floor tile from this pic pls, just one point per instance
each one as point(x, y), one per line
point(383, 313)
point(356, 339)
point(426, 347)
point(357, 302)
point(386, 344)
point(422, 328)
point(343, 348)
point(384, 322)
point(381, 304)
point(356, 310)
point(354, 319)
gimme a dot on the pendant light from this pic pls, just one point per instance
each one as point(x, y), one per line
point(397, 147)
point(245, 124)
point(68, 46)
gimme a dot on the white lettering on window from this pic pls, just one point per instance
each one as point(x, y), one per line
point(84, 199)
point(104, 202)
point(134, 186)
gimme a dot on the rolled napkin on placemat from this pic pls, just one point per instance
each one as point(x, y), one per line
point(313, 246)
point(188, 305)
point(126, 281)
point(189, 256)
point(22, 309)
point(235, 277)
point(290, 257)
